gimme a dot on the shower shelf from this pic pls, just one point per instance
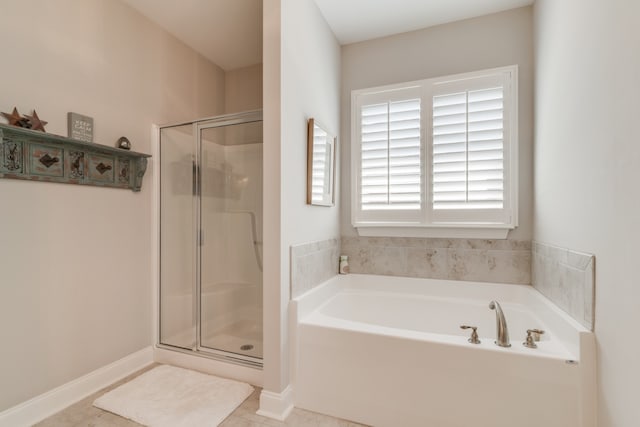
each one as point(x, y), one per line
point(38, 156)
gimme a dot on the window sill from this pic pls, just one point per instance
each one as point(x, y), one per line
point(467, 231)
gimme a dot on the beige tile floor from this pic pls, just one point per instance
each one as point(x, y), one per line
point(83, 414)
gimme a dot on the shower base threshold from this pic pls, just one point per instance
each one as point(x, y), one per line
point(211, 364)
point(220, 355)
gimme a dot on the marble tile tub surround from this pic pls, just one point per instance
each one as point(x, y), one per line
point(499, 261)
point(313, 263)
point(567, 278)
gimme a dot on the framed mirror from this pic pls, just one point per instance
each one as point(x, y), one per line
point(321, 158)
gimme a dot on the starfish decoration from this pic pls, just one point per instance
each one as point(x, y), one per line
point(36, 123)
point(14, 118)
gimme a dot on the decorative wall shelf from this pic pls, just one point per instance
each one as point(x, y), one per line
point(39, 156)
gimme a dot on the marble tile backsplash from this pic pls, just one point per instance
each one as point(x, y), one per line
point(313, 263)
point(567, 278)
point(500, 261)
point(564, 276)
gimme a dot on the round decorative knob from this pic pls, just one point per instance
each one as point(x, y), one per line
point(124, 143)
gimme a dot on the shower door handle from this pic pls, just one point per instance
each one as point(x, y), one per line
point(195, 178)
point(201, 237)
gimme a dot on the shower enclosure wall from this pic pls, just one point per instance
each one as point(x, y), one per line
point(211, 237)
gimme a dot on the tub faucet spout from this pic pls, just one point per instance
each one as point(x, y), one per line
point(502, 332)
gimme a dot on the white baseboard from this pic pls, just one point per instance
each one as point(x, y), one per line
point(276, 405)
point(47, 404)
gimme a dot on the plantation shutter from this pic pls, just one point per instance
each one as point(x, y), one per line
point(390, 169)
point(320, 179)
point(456, 176)
point(468, 149)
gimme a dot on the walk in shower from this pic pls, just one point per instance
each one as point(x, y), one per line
point(211, 237)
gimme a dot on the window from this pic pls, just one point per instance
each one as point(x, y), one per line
point(437, 154)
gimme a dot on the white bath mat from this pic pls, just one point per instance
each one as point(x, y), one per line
point(174, 397)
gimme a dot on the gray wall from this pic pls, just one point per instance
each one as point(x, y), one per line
point(75, 261)
point(490, 41)
point(587, 158)
point(301, 80)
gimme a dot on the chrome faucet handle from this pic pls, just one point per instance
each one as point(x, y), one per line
point(536, 333)
point(474, 335)
point(533, 335)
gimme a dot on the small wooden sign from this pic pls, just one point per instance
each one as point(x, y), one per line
point(80, 127)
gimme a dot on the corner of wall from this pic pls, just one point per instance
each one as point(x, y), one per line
point(277, 406)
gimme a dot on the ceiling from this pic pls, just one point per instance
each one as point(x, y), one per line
point(358, 20)
point(229, 32)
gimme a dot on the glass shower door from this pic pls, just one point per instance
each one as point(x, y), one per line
point(230, 251)
point(177, 237)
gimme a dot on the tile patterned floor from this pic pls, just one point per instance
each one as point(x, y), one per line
point(83, 414)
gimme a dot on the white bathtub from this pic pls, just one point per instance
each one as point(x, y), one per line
point(389, 351)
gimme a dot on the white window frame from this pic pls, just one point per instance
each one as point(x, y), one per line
point(428, 222)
